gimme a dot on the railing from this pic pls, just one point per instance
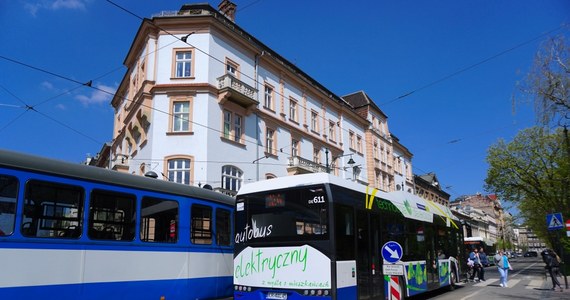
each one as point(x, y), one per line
point(230, 82)
point(306, 164)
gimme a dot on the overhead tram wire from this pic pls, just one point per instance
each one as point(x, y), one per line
point(113, 94)
point(184, 40)
point(465, 69)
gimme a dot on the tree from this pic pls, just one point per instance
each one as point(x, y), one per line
point(532, 171)
point(548, 83)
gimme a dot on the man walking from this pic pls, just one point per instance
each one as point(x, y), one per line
point(552, 265)
point(484, 263)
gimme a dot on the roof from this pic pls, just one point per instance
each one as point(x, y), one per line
point(410, 205)
point(361, 99)
point(26, 162)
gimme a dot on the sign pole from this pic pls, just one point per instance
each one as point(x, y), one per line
point(562, 255)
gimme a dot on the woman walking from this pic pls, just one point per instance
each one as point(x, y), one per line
point(503, 264)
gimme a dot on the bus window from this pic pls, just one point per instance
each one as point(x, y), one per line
point(223, 227)
point(111, 216)
point(201, 230)
point(344, 232)
point(159, 219)
point(295, 215)
point(8, 194)
point(52, 210)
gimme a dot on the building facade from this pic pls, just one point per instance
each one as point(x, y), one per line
point(205, 103)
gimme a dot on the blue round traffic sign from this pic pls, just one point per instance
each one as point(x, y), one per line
point(392, 252)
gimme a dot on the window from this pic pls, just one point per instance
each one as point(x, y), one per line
point(183, 64)
point(8, 197)
point(232, 68)
point(237, 128)
point(179, 170)
point(227, 123)
point(375, 150)
point(293, 110)
point(294, 147)
point(112, 216)
point(201, 227)
point(314, 121)
point(270, 141)
point(52, 210)
point(268, 97)
point(233, 130)
point(351, 142)
point(159, 218)
point(180, 116)
point(223, 227)
point(332, 131)
point(359, 144)
point(232, 178)
point(317, 155)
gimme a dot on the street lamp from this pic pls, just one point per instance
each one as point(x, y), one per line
point(334, 158)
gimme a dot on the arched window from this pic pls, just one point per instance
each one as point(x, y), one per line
point(232, 178)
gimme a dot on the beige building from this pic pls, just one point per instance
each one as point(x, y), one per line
point(205, 103)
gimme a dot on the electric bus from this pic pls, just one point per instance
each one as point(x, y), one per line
point(317, 236)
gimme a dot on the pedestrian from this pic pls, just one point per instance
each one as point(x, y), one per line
point(484, 263)
point(474, 256)
point(503, 265)
point(552, 265)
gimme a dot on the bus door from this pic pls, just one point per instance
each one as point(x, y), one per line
point(369, 275)
point(431, 258)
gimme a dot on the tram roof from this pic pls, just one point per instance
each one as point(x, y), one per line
point(422, 209)
point(27, 162)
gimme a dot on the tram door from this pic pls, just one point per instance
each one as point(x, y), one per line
point(369, 273)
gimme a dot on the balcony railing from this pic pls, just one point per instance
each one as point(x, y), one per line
point(299, 165)
point(233, 89)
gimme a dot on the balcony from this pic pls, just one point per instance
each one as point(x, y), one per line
point(298, 165)
point(234, 90)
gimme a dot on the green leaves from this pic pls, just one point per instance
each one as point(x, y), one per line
point(532, 171)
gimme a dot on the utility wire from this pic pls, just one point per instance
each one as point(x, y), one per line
point(465, 69)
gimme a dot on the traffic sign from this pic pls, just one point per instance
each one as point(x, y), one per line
point(392, 252)
point(554, 221)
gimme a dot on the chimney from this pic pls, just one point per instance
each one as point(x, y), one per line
point(228, 9)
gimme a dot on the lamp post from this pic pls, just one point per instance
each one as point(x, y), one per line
point(334, 158)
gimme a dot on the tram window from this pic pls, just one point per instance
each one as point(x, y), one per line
point(52, 210)
point(201, 230)
point(111, 216)
point(159, 220)
point(8, 194)
point(223, 227)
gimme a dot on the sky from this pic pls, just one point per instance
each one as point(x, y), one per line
point(459, 63)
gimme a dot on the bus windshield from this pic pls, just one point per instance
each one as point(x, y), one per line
point(292, 215)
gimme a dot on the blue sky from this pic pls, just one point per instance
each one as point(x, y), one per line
point(385, 48)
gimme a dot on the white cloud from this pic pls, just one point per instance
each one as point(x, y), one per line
point(47, 85)
point(102, 94)
point(34, 6)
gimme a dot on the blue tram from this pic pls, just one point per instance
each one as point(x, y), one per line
point(70, 231)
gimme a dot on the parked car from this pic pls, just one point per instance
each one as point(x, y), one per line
point(531, 254)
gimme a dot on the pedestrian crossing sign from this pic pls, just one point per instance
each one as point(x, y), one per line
point(554, 221)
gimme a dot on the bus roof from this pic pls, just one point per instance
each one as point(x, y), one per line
point(26, 162)
point(422, 209)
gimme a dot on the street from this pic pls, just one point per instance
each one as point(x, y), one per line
point(526, 281)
